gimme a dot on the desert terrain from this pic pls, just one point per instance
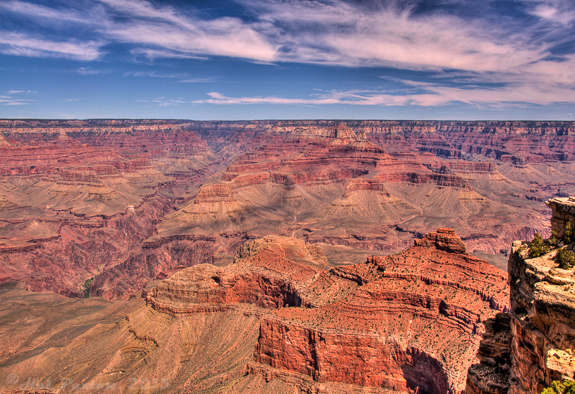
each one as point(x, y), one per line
point(264, 256)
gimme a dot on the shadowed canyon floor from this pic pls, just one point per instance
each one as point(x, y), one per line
point(110, 205)
point(276, 320)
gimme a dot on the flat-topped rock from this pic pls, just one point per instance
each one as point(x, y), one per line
point(442, 239)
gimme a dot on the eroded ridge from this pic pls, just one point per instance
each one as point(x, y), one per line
point(411, 321)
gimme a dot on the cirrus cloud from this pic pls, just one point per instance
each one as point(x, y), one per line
point(501, 58)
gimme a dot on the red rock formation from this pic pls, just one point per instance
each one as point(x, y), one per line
point(399, 322)
point(325, 181)
point(491, 375)
point(443, 239)
point(542, 306)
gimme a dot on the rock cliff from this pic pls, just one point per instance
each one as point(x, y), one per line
point(524, 351)
point(77, 196)
point(542, 321)
point(280, 318)
point(348, 324)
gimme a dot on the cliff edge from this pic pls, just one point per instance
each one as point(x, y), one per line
point(524, 351)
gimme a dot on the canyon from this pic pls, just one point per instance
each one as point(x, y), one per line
point(282, 256)
point(118, 203)
point(278, 318)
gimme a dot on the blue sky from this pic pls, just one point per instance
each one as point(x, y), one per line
point(288, 59)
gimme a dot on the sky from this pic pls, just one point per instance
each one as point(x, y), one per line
point(288, 59)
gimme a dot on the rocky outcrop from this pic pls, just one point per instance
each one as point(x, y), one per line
point(563, 212)
point(442, 239)
point(277, 319)
point(491, 375)
point(525, 351)
point(267, 272)
point(411, 321)
point(543, 317)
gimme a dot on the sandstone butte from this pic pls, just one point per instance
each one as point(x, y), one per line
point(118, 203)
point(279, 319)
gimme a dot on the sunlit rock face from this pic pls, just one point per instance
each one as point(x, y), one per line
point(525, 350)
point(127, 201)
point(399, 322)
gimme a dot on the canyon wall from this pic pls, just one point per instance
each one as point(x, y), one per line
point(279, 318)
point(525, 350)
point(115, 204)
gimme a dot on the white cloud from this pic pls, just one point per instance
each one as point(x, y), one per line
point(197, 80)
point(152, 54)
point(176, 33)
point(90, 71)
point(515, 58)
point(554, 11)
point(429, 95)
point(153, 74)
point(9, 99)
point(22, 44)
point(50, 14)
point(182, 77)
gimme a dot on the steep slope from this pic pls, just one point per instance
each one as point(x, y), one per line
point(70, 210)
point(278, 318)
point(361, 185)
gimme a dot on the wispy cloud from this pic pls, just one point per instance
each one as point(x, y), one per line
point(182, 77)
point(12, 98)
point(330, 32)
point(198, 80)
point(163, 102)
point(173, 31)
point(554, 11)
point(91, 71)
point(36, 12)
point(153, 74)
point(22, 44)
point(517, 56)
point(152, 54)
point(429, 95)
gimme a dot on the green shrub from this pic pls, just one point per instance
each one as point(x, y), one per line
point(86, 287)
point(568, 233)
point(557, 387)
point(553, 241)
point(565, 258)
point(537, 246)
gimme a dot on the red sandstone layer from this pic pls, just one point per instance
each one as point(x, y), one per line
point(400, 322)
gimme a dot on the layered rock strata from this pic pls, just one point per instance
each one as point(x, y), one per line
point(543, 321)
point(524, 351)
point(411, 321)
point(491, 374)
point(563, 212)
point(361, 185)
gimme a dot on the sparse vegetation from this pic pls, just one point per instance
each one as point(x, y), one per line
point(537, 247)
point(568, 233)
point(565, 258)
point(553, 241)
point(86, 287)
point(557, 387)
